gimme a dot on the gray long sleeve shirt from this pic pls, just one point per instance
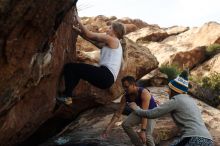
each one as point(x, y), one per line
point(185, 114)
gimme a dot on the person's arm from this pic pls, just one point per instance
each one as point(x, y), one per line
point(145, 98)
point(99, 45)
point(99, 37)
point(116, 116)
point(157, 112)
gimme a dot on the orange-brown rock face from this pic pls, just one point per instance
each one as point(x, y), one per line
point(188, 58)
point(210, 66)
point(35, 41)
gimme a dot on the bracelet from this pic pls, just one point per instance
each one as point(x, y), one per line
point(143, 129)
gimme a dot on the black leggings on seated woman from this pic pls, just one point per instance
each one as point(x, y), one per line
point(100, 77)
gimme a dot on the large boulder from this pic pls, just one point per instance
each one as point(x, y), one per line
point(197, 36)
point(187, 59)
point(210, 66)
point(36, 39)
point(147, 34)
point(130, 28)
point(175, 30)
point(161, 51)
point(154, 78)
point(208, 34)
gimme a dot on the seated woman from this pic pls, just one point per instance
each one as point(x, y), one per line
point(111, 58)
point(184, 112)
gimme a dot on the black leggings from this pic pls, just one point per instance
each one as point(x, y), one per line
point(100, 77)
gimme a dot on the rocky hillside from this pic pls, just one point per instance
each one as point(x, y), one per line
point(197, 48)
point(37, 39)
point(176, 44)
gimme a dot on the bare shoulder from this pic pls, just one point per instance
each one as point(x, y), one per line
point(145, 94)
point(113, 42)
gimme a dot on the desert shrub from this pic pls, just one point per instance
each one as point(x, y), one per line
point(170, 70)
point(212, 81)
point(213, 49)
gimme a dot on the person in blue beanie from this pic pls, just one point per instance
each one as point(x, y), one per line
point(184, 111)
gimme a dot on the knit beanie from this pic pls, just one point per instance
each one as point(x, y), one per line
point(180, 83)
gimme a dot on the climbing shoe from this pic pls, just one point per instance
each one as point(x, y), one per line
point(65, 100)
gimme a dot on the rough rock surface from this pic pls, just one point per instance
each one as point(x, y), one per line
point(187, 59)
point(174, 30)
point(172, 43)
point(147, 34)
point(88, 127)
point(35, 40)
point(210, 66)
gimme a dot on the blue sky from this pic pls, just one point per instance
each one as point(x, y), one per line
point(165, 13)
